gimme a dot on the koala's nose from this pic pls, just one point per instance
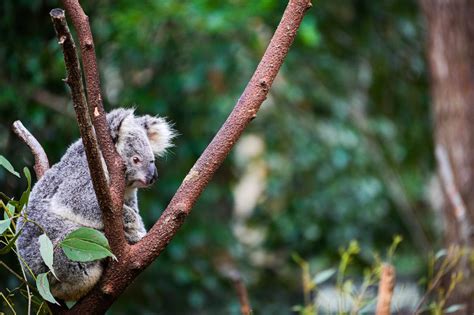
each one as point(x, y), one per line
point(152, 174)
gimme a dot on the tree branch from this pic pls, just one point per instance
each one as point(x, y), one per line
point(41, 159)
point(119, 275)
point(74, 81)
point(243, 113)
point(386, 286)
point(110, 201)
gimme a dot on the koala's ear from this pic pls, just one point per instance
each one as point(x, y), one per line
point(159, 132)
point(116, 120)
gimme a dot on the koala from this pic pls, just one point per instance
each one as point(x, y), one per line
point(64, 200)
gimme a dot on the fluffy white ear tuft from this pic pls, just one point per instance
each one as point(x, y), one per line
point(116, 120)
point(159, 132)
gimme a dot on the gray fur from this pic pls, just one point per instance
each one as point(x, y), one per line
point(64, 200)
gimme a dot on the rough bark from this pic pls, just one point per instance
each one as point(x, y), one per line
point(41, 159)
point(112, 210)
point(451, 59)
point(88, 134)
point(133, 259)
point(386, 286)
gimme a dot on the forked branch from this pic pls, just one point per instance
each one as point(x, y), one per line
point(119, 275)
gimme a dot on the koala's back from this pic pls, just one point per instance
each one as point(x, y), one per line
point(60, 202)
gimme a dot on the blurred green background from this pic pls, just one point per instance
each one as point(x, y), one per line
point(341, 150)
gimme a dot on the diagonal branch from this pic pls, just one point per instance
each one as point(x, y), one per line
point(41, 159)
point(243, 113)
point(111, 202)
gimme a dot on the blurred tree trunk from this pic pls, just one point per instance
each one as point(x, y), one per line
point(451, 59)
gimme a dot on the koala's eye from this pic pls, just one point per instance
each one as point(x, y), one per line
point(136, 159)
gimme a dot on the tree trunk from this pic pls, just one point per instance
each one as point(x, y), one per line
point(451, 59)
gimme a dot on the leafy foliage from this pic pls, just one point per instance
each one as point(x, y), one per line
point(24, 291)
point(83, 244)
point(350, 294)
point(8, 166)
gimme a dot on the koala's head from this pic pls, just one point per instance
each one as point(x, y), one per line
point(138, 140)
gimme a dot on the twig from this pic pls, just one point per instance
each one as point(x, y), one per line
point(452, 194)
point(8, 303)
point(41, 159)
point(27, 288)
point(447, 266)
point(386, 285)
point(241, 290)
point(23, 279)
point(227, 269)
point(12, 271)
point(111, 211)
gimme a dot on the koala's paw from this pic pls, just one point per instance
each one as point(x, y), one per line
point(133, 236)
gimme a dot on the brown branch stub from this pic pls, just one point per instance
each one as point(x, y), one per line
point(241, 290)
point(386, 286)
point(227, 268)
point(41, 159)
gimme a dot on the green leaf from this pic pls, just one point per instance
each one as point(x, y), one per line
point(47, 251)
point(86, 244)
point(70, 304)
point(454, 308)
point(297, 258)
point(7, 165)
point(297, 308)
point(8, 199)
point(9, 246)
point(324, 275)
point(11, 211)
point(26, 194)
point(4, 224)
point(42, 284)
point(441, 253)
